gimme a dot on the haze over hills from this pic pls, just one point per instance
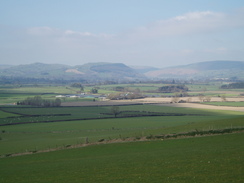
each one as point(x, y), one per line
point(86, 72)
point(120, 72)
point(207, 70)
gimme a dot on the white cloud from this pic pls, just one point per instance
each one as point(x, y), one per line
point(70, 32)
point(42, 31)
point(186, 51)
point(182, 39)
point(220, 50)
point(190, 23)
point(48, 31)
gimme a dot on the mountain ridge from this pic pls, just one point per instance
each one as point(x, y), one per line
point(207, 70)
point(89, 72)
point(102, 71)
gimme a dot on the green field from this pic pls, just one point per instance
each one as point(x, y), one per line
point(31, 130)
point(40, 136)
point(40, 114)
point(10, 94)
point(217, 159)
point(232, 104)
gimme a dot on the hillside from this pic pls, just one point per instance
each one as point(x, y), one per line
point(86, 72)
point(144, 69)
point(207, 70)
point(102, 71)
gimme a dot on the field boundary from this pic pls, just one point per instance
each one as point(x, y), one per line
point(151, 114)
point(191, 134)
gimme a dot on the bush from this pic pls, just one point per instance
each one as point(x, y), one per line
point(173, 88)
point(39, 102)
point(238, 85)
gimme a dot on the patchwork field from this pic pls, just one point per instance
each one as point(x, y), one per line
point(48, 131)
point(149, 140)
point(204, 159)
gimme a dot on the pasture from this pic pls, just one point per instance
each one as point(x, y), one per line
point(232, 104)
point(32, 130)
point(47, 134)
point(217, 159)
point(41, 114)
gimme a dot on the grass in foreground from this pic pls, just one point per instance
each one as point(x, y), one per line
point(29, 137)
point(40, 136)
point(206, 159)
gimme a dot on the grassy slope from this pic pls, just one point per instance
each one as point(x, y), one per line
point(19, 138)
point(6, 115)
point(206, 159)
point(232, 104)
point(87, 112)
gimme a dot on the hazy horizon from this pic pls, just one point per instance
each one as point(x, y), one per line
point(137, 32)
point(17, 64)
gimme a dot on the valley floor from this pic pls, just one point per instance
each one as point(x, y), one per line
point(165, 102)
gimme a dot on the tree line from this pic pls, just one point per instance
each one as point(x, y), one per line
point(39, 102)
point(238, 85)
point(173, 89)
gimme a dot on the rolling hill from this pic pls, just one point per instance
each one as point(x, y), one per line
point(202, 70)
point(102, 71)
point(86, 72)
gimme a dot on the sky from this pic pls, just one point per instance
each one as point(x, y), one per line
point(157, 33)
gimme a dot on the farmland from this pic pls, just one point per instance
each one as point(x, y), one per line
point(47, 134)
point(184, 160)
point(86, 139)
point(233, 104)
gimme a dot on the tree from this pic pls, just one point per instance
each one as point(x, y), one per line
point(38, 101)
point(176, 98)
point(94, 90)
point(189, 100)
point(208, 98)
point(115, 110)
point(119, 88)
point(57, 102)
point(201, 97)
point(223, 98)
point(173, 88)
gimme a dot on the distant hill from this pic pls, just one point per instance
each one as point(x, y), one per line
point(86, 72)
point(207, 70)
point(144, 69)
point(102, 71)
point(4, 66)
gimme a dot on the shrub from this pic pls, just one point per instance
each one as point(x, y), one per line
point(39, 102)
point(173, 88)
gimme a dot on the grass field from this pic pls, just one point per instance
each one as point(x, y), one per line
point(41, 114)
point(216, 159)
point(200, 159)
point(12, 93)
point(69, 113)
point(39, 136)
point(232, 104)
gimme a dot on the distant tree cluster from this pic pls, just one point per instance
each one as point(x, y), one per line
point(26, 80)
point(39, 102)
point(94, 90)
point(77, 85)
point(124, 96)
point(173, 89)
point(119, 88)
point(233, 86)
